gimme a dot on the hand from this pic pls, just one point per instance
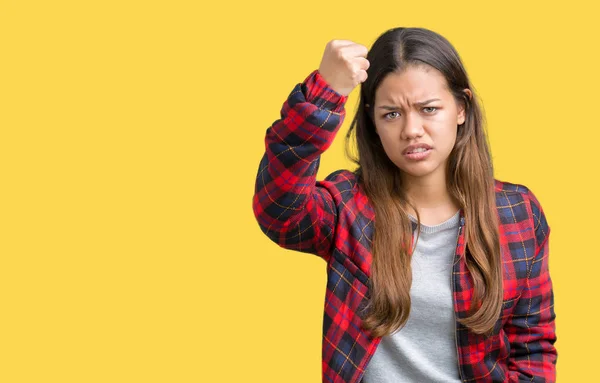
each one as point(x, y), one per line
point(344, 65)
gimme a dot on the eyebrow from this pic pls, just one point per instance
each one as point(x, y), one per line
point(388, 107)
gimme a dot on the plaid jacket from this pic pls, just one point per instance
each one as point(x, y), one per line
point(332, 219)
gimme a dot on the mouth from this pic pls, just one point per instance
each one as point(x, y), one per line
point(418, 155)
point(416, 148)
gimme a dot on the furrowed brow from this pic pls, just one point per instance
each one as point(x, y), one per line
point(422, 103)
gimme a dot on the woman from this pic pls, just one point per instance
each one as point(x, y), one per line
point(436, 271)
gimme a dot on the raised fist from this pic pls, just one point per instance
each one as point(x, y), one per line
point(344, 65)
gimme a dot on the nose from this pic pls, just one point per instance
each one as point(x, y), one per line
point(413, 126)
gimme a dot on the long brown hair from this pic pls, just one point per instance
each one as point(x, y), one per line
point(469, 179)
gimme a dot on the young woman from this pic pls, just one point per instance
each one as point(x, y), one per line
point(436, 271)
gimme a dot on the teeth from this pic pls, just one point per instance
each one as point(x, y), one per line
point(419, 150)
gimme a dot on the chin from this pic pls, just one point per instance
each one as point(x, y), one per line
point(417, 175)
point(420, 169)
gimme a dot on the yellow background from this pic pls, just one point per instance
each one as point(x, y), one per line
point(131, 134)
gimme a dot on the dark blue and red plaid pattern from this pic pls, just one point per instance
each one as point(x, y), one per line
point(332, 218)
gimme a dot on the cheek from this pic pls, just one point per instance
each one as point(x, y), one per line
point(446, 139)
point(388, 141)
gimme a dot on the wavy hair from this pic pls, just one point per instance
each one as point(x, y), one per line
point(469, 179)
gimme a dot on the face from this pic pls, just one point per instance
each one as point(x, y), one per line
point(415, 107)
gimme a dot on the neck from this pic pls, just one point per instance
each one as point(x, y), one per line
point(429, 195)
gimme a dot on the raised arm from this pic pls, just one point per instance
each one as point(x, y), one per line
point(291, 207)
point(288, 205)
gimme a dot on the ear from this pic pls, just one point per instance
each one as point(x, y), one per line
point(461, 111)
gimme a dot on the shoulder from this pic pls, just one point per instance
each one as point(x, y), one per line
point(344, 186)
point(343, 181)
point(517, 204)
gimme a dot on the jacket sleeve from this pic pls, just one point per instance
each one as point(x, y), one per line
point(291, 207)
point(531, 328)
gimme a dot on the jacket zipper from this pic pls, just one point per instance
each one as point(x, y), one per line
point(462, 220)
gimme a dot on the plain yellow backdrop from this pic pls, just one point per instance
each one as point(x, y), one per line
point(131, 133)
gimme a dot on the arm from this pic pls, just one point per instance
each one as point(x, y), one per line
point(291, 207)
point(531, 328)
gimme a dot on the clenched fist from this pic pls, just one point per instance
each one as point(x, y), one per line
point(344, 65)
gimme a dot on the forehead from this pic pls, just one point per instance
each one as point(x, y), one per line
point(413, 84)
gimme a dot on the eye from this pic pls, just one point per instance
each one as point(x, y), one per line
point(430, 107)
point(385, 116)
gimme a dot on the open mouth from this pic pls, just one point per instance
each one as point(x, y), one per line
point(418, 155)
